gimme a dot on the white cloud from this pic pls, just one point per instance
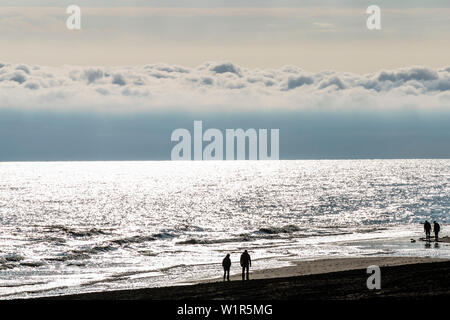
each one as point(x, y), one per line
point(218, 86)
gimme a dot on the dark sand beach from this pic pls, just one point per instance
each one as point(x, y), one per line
point(445, 239)
point(329, 279)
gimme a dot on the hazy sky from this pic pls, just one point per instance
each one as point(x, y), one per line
point(314, 35)
point(137, 70)
point(44, 136)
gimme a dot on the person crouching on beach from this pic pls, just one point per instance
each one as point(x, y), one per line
point(246, 263)
point(226, 264)
point(436, 229)
point(427, 227)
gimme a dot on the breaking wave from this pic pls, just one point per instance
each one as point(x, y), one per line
point(275, 230)
point(74, 232)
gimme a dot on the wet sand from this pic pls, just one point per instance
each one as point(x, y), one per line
point(329, 279)
point(445, 239)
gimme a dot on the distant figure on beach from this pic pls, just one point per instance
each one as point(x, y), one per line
point(427, 227)
point(436, 229)
point(246, 263)
point(226, 264)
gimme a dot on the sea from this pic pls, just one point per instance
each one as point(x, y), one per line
point(75, 227)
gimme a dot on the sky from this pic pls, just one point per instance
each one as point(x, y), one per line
point(137, 70)
point(44, 136)
point(315, 35)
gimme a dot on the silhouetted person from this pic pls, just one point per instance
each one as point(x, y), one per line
point(226, 264)
point(427, 227)
point(246, 263)
point(436, 229)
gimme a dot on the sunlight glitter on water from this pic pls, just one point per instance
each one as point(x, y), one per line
point(83, 226)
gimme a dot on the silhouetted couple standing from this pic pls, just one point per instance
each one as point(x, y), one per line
point(246, 263)
point(436, 229)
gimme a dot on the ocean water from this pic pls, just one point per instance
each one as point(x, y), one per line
point(69, 227)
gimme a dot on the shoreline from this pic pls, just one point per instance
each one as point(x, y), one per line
point(328, 265)
point(340, 278)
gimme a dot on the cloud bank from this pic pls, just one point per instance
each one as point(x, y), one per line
point(218, 86)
